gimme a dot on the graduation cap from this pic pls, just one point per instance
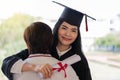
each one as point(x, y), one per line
point(73, 16)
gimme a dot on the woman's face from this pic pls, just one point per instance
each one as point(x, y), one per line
point(67, 34)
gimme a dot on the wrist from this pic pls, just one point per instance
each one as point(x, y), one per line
point(37, 68)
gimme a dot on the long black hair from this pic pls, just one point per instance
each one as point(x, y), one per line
point(76, 45)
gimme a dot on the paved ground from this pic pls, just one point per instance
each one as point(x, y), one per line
point(103, 71)
point(112, 59)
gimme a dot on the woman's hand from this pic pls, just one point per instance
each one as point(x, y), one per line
point(45, 69)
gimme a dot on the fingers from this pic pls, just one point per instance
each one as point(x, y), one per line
point(49, 70)
point(46, 70)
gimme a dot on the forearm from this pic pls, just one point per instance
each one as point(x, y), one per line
point(45, 69)
point(11, 60)
point(28, 67)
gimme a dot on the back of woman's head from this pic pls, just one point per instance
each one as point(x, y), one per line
point(38, 37)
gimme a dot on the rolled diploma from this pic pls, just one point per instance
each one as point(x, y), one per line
point(71, 60)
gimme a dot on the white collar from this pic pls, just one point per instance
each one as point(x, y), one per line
point(60, 53)
point(39, 54)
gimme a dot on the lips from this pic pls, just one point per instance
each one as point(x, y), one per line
point(66, 39)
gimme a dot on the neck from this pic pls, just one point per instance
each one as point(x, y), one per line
point(62, 47)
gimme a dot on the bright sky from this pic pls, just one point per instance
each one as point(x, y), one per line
point(43, 8)
point(47, 9)
point(104, 10)
point(99, 9)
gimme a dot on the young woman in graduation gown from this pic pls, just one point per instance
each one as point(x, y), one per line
point(67, 42)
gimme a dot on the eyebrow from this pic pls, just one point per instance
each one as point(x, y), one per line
point(67, 27)
point(64, 25)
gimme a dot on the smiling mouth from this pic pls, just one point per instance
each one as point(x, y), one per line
point(66, 39)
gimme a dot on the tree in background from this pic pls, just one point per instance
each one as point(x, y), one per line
point(111, 42)
point(11, 33)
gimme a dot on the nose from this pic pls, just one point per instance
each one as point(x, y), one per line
point(68, 33)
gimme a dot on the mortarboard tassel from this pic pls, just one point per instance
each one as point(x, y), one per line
point(86, 23)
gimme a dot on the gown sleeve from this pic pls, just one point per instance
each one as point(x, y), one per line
point(82, 69)
point(8, 62)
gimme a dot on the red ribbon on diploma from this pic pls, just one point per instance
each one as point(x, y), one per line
point(61, 67)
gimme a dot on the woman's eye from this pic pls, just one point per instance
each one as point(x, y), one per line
point(74, 30)
point(64, 28)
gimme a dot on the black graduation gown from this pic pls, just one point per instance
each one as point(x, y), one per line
point(81, 67)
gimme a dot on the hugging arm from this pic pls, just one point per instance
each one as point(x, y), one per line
point(11, 60)
point(15, 64)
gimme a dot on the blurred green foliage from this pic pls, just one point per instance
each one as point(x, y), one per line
point(11, 35)
point(11, 32)
point(108, 40)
